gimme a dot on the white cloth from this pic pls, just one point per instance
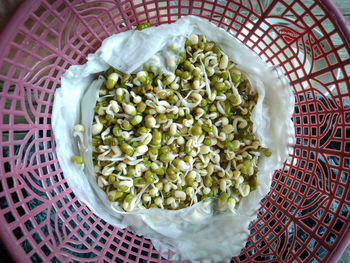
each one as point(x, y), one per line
point(192, 232)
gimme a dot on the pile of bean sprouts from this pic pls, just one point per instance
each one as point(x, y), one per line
point(171, 140)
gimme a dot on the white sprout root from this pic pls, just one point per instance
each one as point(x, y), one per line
point(170, 141)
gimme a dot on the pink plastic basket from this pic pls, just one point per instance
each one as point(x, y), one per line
point(305, 217)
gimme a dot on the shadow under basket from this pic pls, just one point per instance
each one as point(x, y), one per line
point(304, 218)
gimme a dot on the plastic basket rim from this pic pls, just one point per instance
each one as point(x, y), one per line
point(10, 31)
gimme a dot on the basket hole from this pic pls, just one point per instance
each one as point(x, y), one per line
point(125, 245)
point(72, 223)
point(134, 249)
point(35, 258)
point(297, 246)
point(55, 260)
point(121, 252)
point(66, 199)
point(46, 250)
point(20, 211)
point(331, 238)
point(81, 233)
point(113, 247)
point(39, 12)
point(49, 19)
point(14, 197)
point(3, 202)
point(86, 226)
point(334, 206)
point(89, 241)
point(12, 53)
point(116, 240)
point(304, 255)
point(25, 193)
point(256, 237)
point(338, 225)
point(109, 255)
point(65, 214)
point(53, 193)
point(154, 255)
point(270, 237)
point(319, 213)
point(279, 8)
point(98, 248)
point(78, 217)
point(106, 234)
point(328, 218)
point(45, 230)
point(110, 227)
point(292, 209)
point(267, 217)
point(146, 245)
point(41, 217)
point(132, 257)
point(8, 103)
point(27, 247)
point(17, 232)
point(28, 224)
point(344, 175)
point(72, 209)
point(99, 227)
point(242, 257)
point(321, 252)
point(10, 181)
point(94, 234)
point(321, 230)
point(340, 191)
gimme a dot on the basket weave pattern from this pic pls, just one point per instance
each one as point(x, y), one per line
point(305, 217)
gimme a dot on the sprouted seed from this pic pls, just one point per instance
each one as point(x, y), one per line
point(172, 140)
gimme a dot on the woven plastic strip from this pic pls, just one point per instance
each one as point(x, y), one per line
point(305, 218)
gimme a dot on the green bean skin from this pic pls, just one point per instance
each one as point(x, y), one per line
point(164, 141)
